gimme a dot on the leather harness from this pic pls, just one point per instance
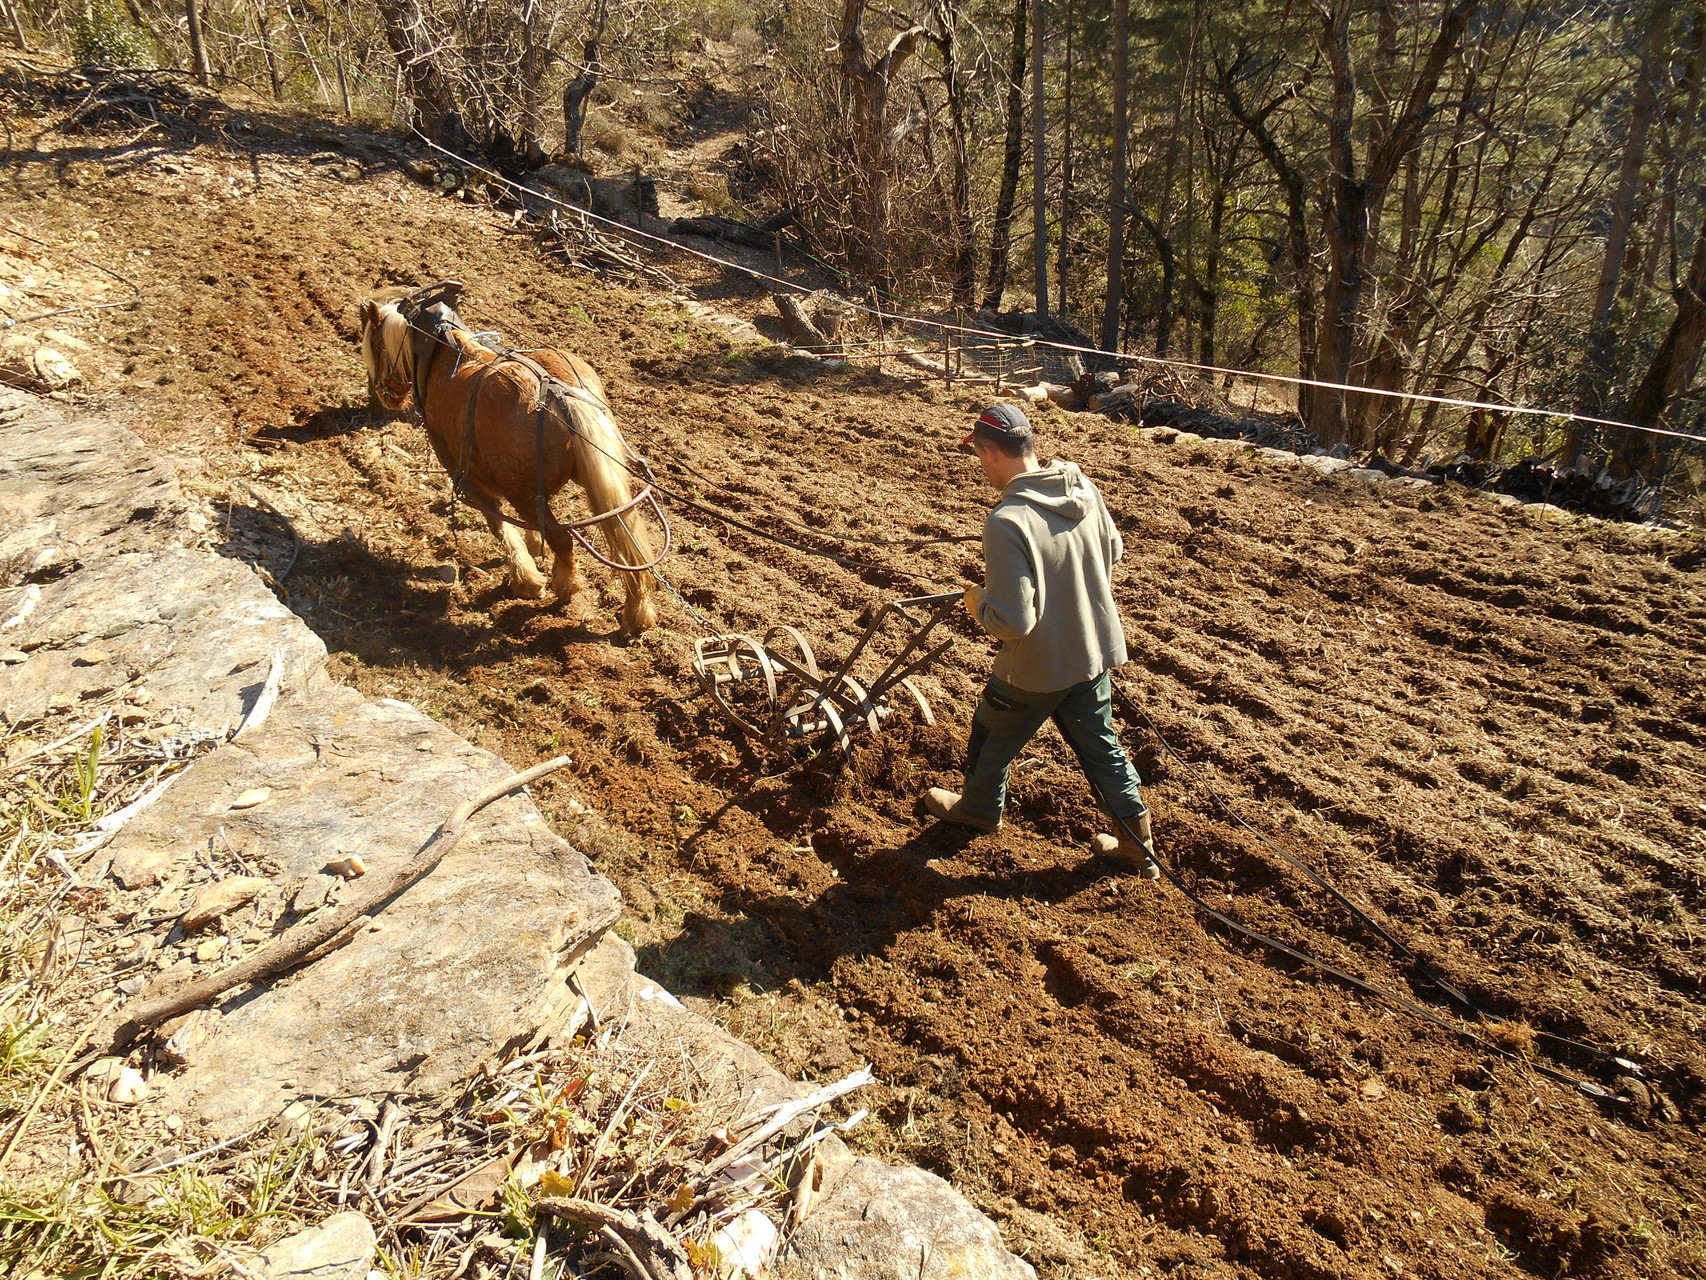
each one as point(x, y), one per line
point(429, 321)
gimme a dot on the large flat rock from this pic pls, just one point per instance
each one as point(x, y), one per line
point(464, 964)
point(116, 611)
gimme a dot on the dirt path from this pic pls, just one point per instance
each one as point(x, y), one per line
point(1490, 731)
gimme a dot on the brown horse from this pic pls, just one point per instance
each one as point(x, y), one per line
point(513, 426)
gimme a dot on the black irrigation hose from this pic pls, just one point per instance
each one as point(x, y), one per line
point(1586, 1087)
point(1403, 1002)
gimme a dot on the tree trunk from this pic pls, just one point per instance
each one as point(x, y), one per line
point(1669, 371)
point(578, 90)
point(198, 51)
point(1039, 167)
point(429, 92)
point(17, 26)
point(273, 73)
point(1013, 152)
point(946, 39)
point(1063, 254)
point(1299, 250)
point(1355, 191)
point(1602, 338)
point(870, 79)
point(1117, 199)
point(1169, 274)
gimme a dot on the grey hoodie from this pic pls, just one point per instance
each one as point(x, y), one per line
point(1049, 549)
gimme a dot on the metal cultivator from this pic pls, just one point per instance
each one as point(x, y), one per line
point(773, 690)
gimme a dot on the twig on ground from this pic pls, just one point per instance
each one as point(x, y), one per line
point(785, 1114)
point(657, 1254)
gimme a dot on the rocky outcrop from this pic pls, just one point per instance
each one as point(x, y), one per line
point(107, 606)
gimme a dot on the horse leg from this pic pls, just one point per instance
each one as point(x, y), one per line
point(567, 580)
point(525, 580)
point(535, 544)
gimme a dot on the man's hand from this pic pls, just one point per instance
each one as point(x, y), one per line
point(973, 598)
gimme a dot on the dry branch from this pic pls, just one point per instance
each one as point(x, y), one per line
point(655, 1250)
point(312, 935)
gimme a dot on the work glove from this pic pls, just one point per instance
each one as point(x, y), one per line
point(974, 599)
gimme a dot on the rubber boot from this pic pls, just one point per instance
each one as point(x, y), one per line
point(944, 805)
point(1139, 854)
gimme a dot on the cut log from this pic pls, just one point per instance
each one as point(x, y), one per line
point(733, 230)
point(802, 330)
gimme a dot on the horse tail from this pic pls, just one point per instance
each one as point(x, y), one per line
point(601, 466)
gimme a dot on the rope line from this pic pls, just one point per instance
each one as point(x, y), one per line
point(135, 289)
point(633, 232)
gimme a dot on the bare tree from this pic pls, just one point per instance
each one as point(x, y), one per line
point(1117, 180)
point(1012, 155)
point(870, 77)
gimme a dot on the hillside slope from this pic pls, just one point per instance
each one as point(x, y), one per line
point(1488, 729)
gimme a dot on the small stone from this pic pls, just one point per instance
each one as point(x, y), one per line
point(104, 1069)
point(139, 865)
point(174, 1123)
point(219, 898)
point(91, 658)
point(311, 894)
point(340, 1248)
point(1371, 1089)
point(252, 797)
point(183, 1035)
point(129, 1088)
point(212, 949)
point(53, 371)
point(12, 657)
point(292, 1120)
point(133, 986)
point(140, 697)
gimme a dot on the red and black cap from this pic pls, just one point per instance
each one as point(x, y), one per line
point(1004, 423)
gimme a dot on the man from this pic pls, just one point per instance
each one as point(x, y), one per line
point(1049, 548)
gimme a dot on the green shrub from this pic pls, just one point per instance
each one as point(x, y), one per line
point(103, 35)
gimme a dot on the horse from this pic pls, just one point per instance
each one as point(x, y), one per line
point(515, 426)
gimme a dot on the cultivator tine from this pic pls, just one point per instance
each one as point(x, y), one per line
point(776, 692)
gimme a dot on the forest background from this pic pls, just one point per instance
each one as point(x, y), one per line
point(1487, 200)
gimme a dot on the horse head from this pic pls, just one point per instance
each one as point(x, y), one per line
point(389, 319)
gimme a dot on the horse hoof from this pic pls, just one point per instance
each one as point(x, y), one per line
point(527, 590)
point(640, 617)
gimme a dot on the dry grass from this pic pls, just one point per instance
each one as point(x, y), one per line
point(453, 1184)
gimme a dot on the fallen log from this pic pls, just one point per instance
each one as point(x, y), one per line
point(802, 330)
point(317, 935)
point(732, 230)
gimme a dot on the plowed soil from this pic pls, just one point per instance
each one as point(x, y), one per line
point(1488, 729)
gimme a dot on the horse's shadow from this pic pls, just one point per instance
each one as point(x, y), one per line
point(326, 424)
point(390, 612)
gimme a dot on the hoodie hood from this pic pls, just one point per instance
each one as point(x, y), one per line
point(1059, 488)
